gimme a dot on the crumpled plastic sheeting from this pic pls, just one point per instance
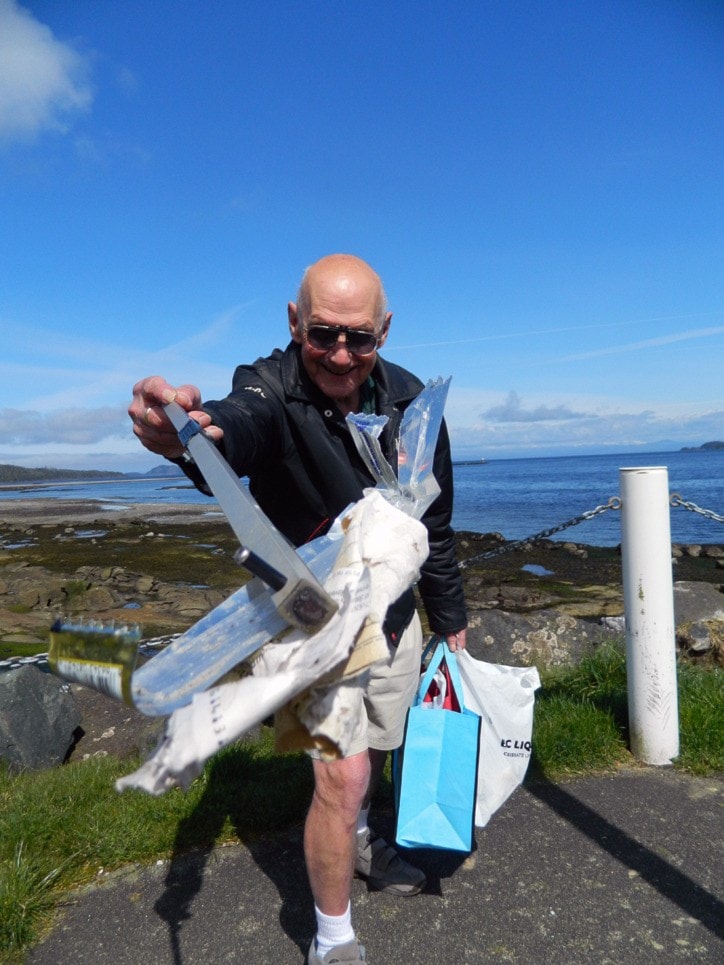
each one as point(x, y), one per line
point(381, 555)
point(414, 488)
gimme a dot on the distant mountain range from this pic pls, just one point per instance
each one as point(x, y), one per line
point(706, 447)
point(20, 474)
point(10, 475)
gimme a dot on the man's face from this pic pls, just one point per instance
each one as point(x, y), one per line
point(349, 298)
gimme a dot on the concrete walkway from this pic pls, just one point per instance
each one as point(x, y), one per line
point(619, 869)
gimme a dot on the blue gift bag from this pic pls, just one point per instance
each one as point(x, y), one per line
point(435, 771)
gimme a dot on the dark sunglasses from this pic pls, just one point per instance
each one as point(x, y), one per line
point(325, 337)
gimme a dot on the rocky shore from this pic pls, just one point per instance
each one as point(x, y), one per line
point(164, 566)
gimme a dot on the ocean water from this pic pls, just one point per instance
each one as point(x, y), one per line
point(515, 497)
point(522, 497)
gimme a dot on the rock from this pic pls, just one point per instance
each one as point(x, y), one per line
point(701, 636)
point(546, 638)
point(697, 601)
point(507, 596)
point(38, 719)
point(145, 584)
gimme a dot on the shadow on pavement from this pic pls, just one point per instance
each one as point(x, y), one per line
point(660, 874)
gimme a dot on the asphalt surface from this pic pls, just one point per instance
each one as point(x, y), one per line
point(624, 868)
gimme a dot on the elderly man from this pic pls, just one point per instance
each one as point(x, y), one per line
point(283, 426)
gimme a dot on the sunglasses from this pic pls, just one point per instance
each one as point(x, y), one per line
point(325, 337)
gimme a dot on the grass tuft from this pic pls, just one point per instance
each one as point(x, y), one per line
point(701, 719)
point(26, 894)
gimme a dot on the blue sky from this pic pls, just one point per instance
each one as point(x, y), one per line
point(538, 183)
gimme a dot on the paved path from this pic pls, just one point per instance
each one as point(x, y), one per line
point(621, 869)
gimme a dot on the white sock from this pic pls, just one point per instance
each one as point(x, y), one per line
point(362, 819)
point(333, 930)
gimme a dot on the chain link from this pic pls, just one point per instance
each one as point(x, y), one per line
point(613, 503)
point(676, 500)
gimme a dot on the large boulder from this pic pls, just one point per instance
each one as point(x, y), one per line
point(546, 638)
point(697, 601)
point(38, 719)
point(549, 637)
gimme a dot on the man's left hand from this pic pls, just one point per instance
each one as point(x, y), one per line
point(456, 641)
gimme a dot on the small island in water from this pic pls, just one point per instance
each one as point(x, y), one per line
point(706, 447)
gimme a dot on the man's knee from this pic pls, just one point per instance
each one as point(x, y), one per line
point(342, 784)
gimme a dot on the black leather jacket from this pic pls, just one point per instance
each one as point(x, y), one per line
point(304, 469)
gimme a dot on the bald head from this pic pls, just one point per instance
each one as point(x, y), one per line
point(337, 293)
point(341, 276)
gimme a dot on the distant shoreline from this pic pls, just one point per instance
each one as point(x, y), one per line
point(20, 485)
point(706, 447)
point(52, 511)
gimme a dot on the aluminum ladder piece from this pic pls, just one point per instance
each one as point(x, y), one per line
point(226, 637)
point(299, 597)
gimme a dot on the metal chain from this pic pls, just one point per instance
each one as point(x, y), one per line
point(147, 648)
point(676, 500)
point(613, 503)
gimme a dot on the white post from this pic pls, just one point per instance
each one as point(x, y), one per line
point(648, 591)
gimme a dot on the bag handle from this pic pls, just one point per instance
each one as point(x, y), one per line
point(441, 651)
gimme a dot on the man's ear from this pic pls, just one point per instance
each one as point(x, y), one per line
point(295, 327)
point(385, 330)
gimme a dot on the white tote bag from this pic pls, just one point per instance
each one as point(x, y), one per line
point(504, 697)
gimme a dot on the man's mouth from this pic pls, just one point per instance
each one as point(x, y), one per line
point(338, 373)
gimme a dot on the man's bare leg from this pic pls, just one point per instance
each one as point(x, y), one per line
point(330, 838)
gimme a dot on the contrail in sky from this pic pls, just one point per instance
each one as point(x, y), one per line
point(570, 328)
point(647, 343)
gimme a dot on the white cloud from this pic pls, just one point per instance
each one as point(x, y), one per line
point(568, 424)
point(513, 411)
point(75, 427)
point(43, 81)
point(623, 431)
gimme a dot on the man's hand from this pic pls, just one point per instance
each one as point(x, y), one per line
point(457, 641)
point(152, 426)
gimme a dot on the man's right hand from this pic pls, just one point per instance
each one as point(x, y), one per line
point(151, 424)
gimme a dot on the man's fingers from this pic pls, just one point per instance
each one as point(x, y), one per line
point(153, 427)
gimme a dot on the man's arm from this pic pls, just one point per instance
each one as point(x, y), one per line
point(441, 584)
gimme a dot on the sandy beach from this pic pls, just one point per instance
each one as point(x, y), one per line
point(31, 512)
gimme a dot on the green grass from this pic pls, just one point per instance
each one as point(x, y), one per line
point(701, 719)
point(26, 894)
point(581, 717)
point(59, 827)
point(9, 650)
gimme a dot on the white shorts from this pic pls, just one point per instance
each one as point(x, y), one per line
point(384, 695)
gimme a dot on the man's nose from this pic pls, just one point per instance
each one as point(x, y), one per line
point(340, 346)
